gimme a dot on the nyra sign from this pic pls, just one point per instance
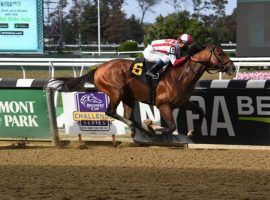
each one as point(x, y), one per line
point(231, 116)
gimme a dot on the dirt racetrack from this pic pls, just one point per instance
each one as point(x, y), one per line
point(134, 173)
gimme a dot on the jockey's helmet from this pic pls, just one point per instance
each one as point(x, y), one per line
point(185, 38)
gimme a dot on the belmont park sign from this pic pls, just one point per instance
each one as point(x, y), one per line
point(18, 114)
point(23, 113)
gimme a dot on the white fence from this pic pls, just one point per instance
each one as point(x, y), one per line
point(255, 62)
point(81, 63)
point(52, 63)
point(227, 47)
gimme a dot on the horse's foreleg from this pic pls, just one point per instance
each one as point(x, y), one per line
point(196, 109)
point(166, 113)
point(128, 114)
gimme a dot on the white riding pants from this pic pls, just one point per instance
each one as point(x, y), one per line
point(153, 56)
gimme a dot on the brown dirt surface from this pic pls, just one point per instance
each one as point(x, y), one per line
point(134, 173)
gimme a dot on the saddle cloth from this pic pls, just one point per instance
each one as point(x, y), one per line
point(138, 69)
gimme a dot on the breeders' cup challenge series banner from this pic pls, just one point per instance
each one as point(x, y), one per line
point(21, 26)
point(84, 112)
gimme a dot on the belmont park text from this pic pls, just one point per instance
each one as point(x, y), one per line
point(18, 114)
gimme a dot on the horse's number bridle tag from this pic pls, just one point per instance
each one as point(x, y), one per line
point(137, 69)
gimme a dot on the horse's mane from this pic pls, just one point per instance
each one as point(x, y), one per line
point(195, 48)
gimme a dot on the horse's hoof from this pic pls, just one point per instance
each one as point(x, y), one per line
point(151, 126)
point(190, 134)
point(148, 122)
point(157, 128)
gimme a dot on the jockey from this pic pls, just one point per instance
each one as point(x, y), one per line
point(164, 51)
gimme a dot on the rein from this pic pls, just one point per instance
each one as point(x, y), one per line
point(220, 67)
point(193, 59)
point(182, 73)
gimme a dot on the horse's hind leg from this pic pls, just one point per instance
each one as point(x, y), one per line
point(166, 113)
point(129, 103)
point(112, 113)
point(128, 114)
point(111, 110)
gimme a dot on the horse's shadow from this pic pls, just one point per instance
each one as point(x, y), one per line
point(160, 139)
point(150, 136)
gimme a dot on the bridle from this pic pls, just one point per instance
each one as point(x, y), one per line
point(221, 67)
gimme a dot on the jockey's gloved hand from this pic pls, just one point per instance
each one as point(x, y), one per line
point(179, 61)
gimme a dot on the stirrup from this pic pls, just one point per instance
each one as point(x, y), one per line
point(156, 76)
point(153, 76)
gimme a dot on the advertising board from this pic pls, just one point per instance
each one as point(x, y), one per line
point(237, 112)
point(84, 113)
point(233, 115)
point(21, 26)
point(23, 113)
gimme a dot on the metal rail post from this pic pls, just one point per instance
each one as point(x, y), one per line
point(52, 116)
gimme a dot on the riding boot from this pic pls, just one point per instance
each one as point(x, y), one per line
point(152, 71)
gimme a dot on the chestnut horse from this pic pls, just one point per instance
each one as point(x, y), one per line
point(173, 90)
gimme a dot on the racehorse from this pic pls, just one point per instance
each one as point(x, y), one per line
point(173, 90)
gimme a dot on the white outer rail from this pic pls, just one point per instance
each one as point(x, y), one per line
point(55, 59)
point(86, 62)
point(127, 52)
point(51, 66)
point(111, 52)
point(51, 63)
point(250, 59)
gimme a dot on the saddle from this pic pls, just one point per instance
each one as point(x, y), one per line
point(138, 70)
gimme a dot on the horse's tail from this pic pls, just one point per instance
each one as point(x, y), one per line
point(70, 84)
